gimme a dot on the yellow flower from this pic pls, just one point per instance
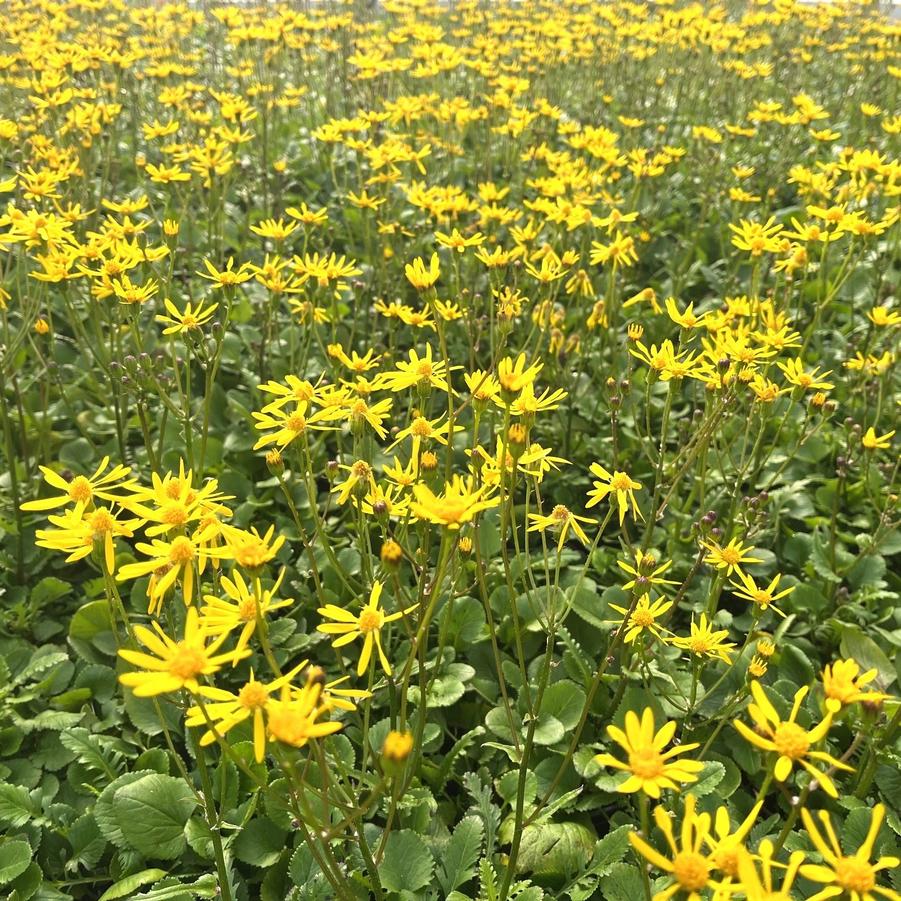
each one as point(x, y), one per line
point(246, 604)
point(689, 867)
point(785, 738)
point(78, 531)
point(853, 873)
point(397, 746)
point(872, 441)
point(227, 277)
point(652, 769)
point(617, 484)
point(460, 502)
point(560, 518)
point(276, 230)
point(368, 624)
point(172, 665)
point(458, 242)
point(882, 317)
point(421, 278)
point(83, 489)
point(764, 598)
point(292, 719)
point(420, 372)
point(761, 886)
point(513, 376)
point(703, 641)
point(729, 557)
point(193, 317)
point(644, 617)
point(228, 710)
point(183, 556)
point(727, 846)
point(843, 683)
point(250, 549)
point(797, 375)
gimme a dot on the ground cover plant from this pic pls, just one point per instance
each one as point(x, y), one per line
point(448, 451)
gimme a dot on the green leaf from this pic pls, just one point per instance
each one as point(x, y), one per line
point(152, 814)
point(549, 730)
point(622, 883)
point(205, 887)
point(127, 885)
point(609, 850)
point(564, 700)
point(306, 875)
point(91, 632)
point(407, 863)
point(461, 854)
point(15, 856)
point(868, 654)
point(16, 806)
point(260, 843)
point(709, 779)
point(555, 850)
point(93, 751)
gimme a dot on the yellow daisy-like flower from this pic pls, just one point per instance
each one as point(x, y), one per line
point(83, 489)
point(705, 641)
point(173, 665)
point(843, 683)
point(181, 557)
point(78, 531)
point(652, 769)
point(292, 719)
point(420, 277)
point(689, 867)
point(850, 874)
point(727, 846)
point(228, 709)
point(644, 617)
point(729, 557)
point(619, 484)
point(764, 598)
point(785, 738)
point(460, 502)
point(191, 318)
point(872, 441)
point(368, 624)
point(761, 885)
point(246, 603)
point(563, 519)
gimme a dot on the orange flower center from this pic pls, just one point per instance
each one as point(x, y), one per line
point(181, 551)
point(287, 725)
point(247, 610)
point(643, 617)
point(187, 661)
point(727, 860)
point(854, 874)
point(791, 740)
point(101, 522)
point(253, 696)
point(80, 489)
point(252, 555)
point(730, 556)
point(370, 620)
point(421, 428)
point(560, 514)
point(295, 423)
point(175, 514)
point(424, 370)
point(691, 871)
point(646, 763)
point(620, 482)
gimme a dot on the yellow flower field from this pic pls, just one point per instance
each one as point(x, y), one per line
point(448, 450)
